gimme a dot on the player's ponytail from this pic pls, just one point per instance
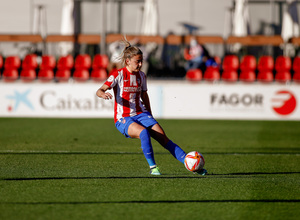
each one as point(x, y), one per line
point(129, 51)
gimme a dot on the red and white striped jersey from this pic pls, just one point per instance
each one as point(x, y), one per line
point(127, 90)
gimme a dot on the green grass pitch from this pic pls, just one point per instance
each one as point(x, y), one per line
point(85, 169)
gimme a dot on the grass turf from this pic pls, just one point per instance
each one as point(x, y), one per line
point(85, 169)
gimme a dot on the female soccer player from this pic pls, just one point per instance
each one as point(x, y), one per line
point(132, 111)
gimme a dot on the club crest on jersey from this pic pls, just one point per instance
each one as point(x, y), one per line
point(122, 120)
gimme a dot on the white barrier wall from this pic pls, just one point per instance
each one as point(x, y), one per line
point(169, 99)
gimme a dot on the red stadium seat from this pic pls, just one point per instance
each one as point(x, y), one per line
point(296, 64)
point(248, 67)
point(10, 75)
point(265, 69)
point(48, 62)
point(64, 66)
point(283, 76)
point(265, 63)
point(45, 75)
point(29, 66)
point(296, 69)
point(230, 66)
point(47, 65)
point(81, 75)
point(212, 74)
point(283, 63)
point(194, 75)
point(248, 63)
point(63, 75)
point(100, 61)
point(99, 74)
point(230, 62)
point(30, 62)
point(11, 68)
point(1, 62)
point(12, 62)
point(230, 75)
point(296, 77)
point(28, 75)
point(83, 61)
point(82, 65)
point(247, 76)
point(65, 63)
point(265, 76)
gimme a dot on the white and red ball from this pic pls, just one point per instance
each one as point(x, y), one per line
point(194, 161)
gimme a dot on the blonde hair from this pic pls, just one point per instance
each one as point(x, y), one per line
point(129, 52)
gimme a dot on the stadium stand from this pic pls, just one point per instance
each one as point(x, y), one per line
point(283, 70)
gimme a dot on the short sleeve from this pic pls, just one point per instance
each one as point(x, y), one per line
point(112, 79)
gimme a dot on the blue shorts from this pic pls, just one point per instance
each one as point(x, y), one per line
point(145, 119)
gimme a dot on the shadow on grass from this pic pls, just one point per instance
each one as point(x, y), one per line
point(166, 176)
point(157, 202)
point(293, 151)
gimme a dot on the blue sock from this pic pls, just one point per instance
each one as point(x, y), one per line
point(147, 147)
point(176, 151)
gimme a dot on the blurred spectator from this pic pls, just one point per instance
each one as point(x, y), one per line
point(198, 56)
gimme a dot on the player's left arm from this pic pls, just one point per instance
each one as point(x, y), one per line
point(146, 101)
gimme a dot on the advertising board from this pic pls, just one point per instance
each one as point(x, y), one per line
point(169, 99)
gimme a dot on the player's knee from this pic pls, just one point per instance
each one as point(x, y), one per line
point(144, 133)
point(135, 130)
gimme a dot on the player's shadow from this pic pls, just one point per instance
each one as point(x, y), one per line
point(157, 201)
point(165, 176)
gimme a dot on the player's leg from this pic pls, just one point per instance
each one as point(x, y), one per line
point(159, 135)
point(136, 130)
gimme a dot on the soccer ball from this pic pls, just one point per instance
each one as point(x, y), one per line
point(194, 161)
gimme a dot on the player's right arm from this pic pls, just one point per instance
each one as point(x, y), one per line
point(111, 81)
point(101, 92)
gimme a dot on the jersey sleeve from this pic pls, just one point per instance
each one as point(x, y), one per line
point(112, 79)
